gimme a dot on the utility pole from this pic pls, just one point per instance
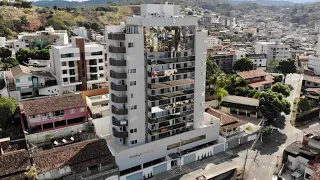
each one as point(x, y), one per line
point(180, 154)
point(253, 145)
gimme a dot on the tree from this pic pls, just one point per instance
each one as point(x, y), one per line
point(278, 78)
point(55, 7)
point(24, 21)
point(5, 53)
point(287, 66)
point(23, 56)
point(272, 104)
point(304, 105)
point(281, 88)
point(7, 109)
point(31, 174)
point(9, 63)
point(221, 93)
point(243, 64)
point(241, 91)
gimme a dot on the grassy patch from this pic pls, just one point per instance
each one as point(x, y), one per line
point(250, 128)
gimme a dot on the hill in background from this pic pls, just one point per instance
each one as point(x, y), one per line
point(16, 20)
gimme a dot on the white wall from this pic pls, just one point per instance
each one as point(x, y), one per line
point(200, 76)
point(2, 41)
point(153, 150)
point(102, 126)
point(52, 90)
point(298, 162)
point(24, 82)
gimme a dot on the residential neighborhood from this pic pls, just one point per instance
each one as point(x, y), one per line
point(132, 90)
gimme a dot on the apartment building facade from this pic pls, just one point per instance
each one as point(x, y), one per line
point(78, 66)
point(273, 50)
point(157, 66)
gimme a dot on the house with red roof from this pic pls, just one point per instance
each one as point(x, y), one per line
point(257, 79)
point(54, 112)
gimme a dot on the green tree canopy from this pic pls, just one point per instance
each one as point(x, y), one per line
point(31, 174)
point(23, 55)
point(304, 105)
point(272, 104)
point(287, 66)
point(278, 78)
point(9, 63)
point(5, 53)
point(243, 64)
point(221, 93)
point(7, 109)
point(281, 88)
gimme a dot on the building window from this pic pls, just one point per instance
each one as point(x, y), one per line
point(33, 116)
point(185, 53)
point(100, 68)
point(134, 142)
point(100, 60)
point(31, 86)
point(130, 44)
point(96, 53)
point(18, 88)
point(65, 79)
point(17, 80)
point(133, 130)
point(72, 111)
point(59, 113)
point(131, 95)
point(133, 107)
point(133, 83)
point(133, 70)
point(29, 78)
point(82, 109)
point(101, 75)
point(64, 63)
point(64, 71)
point(67, 55)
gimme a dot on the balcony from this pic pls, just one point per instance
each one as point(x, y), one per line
point(166, 129)
point(114, 62)
point(117, 87)
point(118, 111)
point(167, 101)
point(114, 49)
point(119, 134)
point(118, 99)
point(170, 116)
point(170, 94)
point(116, 75)
point(117, 36)
point(117, 122)
point(170, 60)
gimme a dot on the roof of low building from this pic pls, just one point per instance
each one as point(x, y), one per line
point(19, 69)
point(298, 148)
point(241, 100)
point(256, 56)
point(51, 104)
point(14, 163)
point(43, 74)
point(311, 78)
point(226, 121)
point(315, 90)
point(303, 58)
point(77, 156)
point(269, 80)
point(252, 74)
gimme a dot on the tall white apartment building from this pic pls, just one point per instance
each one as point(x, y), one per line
point(41, 39)
point(157, 67)
point(273, 50)
point(78, 66)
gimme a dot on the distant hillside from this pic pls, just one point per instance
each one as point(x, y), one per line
point(263, 2)
point(16, 20)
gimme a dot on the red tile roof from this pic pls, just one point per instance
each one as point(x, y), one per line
point(311, 78)
point(14, 163)
point(269, 80)
point(252, 74)
point(51, 104)
point(78, 155)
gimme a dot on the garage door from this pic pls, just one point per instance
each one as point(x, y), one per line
point(189, 158)
point(160, 169)
point(137, 176)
